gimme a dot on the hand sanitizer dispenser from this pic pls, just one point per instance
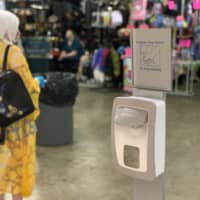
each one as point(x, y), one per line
point(138, 136)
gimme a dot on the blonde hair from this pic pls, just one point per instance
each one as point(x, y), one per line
point(9, 26)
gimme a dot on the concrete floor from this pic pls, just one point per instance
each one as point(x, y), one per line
point(84, 171)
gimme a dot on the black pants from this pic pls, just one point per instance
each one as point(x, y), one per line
point(69, 65)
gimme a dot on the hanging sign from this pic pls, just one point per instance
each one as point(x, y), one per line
point(152, 59)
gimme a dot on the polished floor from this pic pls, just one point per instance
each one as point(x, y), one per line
point(84, 170)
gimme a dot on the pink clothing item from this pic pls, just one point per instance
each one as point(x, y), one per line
point(139, 10)
point(186, 43)
point(172, 5)
point(180, 18)
point(144, 26)
point(196, 4)
point(130, 26)
point(128, 52)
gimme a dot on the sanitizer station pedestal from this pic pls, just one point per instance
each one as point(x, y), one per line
point(139, 121)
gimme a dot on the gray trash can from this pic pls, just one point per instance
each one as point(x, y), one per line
point(55, 125)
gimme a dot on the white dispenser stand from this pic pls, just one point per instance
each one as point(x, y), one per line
point(138, 141)
point(152, 79)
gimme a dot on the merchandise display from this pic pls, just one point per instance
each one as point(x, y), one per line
point(180, 17)
point(103, 25)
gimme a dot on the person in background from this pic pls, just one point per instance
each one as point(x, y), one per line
point(17, 154)
point(84, 61)
point(71, 53)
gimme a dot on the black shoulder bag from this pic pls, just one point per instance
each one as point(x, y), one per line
point(15, 101)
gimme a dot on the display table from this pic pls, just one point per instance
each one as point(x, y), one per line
point(38, 53)
point(39, 65)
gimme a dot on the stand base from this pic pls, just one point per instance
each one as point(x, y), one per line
point(150, 190)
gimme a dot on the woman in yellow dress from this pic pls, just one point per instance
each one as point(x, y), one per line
point(17, 155)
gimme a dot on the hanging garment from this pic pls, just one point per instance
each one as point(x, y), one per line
point(109, 69)
point(116, 62)
point(121, 50)
point(105, 54)
point(98, 60)
point(172, 5)
point(157, 9)
point(94, 59)
point(117, 18)
point(99, 76)
point(2, 5)
point(196, 51)
point(139, 10)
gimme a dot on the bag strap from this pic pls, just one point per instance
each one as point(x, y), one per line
point(6, 58)
point(2, 136)
point(4, 68)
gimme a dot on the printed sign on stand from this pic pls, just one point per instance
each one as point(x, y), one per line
point(152, 59)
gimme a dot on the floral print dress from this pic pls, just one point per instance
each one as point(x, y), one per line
point(17, 155)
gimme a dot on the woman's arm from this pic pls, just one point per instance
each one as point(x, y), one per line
point(72, 54)
point(64, 54)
